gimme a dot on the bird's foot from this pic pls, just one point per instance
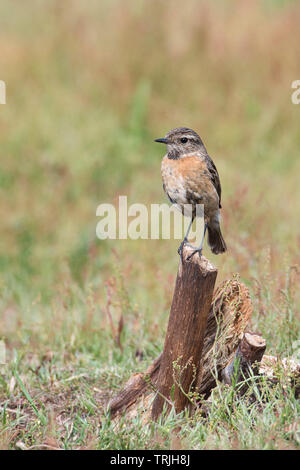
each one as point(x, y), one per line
point(179, 251)
point(197, 250)
point(182, 244)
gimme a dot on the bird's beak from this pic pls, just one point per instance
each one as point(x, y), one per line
point(162, 141)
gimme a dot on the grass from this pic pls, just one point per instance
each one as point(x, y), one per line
point(89, 86)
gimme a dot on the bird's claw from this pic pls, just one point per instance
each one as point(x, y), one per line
point(180, 249)
point(198, 250)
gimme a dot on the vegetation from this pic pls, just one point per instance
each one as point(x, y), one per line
point(89, 86)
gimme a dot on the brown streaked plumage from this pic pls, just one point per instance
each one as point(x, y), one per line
point(190, 177)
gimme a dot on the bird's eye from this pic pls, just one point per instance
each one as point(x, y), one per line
point(183, 140)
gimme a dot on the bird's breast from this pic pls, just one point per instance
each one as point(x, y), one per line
point(187, 181)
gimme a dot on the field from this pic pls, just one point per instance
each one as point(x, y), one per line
point(89, 86)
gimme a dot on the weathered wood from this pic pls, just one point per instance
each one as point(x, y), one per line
point(185, 333)
point(134, 388)
point(245, 361)
point(286, 370)
point(229, 314)
point(228, 318)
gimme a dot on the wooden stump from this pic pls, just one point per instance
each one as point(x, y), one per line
point(134, 388)
point(229, 314)
point(246, 359)
point(181, 359)
point(203, 358)
point(286, 371)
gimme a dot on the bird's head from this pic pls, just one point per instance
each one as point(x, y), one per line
point(182, 141)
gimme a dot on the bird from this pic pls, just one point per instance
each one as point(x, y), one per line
point(190, 177)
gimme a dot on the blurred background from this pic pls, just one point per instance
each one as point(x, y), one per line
point(89, 86)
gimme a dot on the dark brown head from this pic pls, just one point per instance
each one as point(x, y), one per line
point(182, 141)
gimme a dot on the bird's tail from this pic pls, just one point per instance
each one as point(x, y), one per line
point(215, 239)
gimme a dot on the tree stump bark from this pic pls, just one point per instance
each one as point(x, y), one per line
point(229, 314)
point(181, 359)
point(135, 387)
point(245, 361)
point(286, 371)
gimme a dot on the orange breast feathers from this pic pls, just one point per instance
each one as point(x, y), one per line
point(191, 171)
point(189, 175)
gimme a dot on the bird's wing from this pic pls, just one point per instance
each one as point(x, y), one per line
point(165, 190)
point(214, 176)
